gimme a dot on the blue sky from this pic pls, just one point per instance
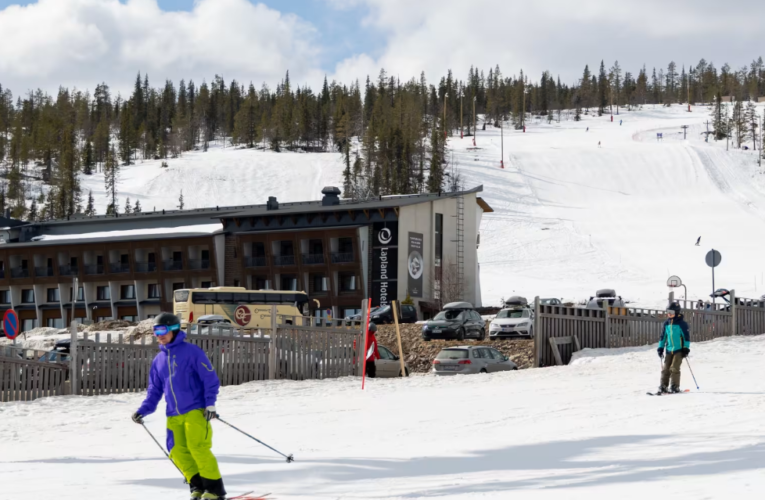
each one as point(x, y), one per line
point(341, 32)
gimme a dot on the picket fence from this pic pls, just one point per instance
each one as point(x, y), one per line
point(556, 326)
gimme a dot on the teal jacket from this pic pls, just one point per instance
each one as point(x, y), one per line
point(675, 335)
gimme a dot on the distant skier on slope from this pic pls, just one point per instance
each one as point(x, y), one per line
point(598, 143)
point(698, 241)
point(182, 372)
point(677, 340)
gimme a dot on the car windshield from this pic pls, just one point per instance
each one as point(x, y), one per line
point(449, 314)
point(512, 314)
point(453, 354)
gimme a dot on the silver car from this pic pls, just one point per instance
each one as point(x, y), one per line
point(471, 359)
point(389, 365)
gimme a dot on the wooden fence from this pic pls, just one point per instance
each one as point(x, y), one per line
point(304, 352)
point(631, 327)
point(28, 374)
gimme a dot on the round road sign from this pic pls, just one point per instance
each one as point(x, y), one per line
point(713, 258)
point(11, 324)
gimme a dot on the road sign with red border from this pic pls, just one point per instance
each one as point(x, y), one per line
point(11, 324)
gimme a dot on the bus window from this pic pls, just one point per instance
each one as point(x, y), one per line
point(203, 298)
point(181, 296)
point(224, 298)
point(241, 298)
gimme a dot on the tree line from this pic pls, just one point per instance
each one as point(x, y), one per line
point(392, 134)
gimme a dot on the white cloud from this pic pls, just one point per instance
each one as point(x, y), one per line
point(557, 35)
point(83, 42)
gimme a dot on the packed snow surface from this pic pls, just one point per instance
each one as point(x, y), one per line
point(573, 217)
point(583, 431)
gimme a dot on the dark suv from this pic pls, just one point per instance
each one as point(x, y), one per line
point(458, 320)
point(384, 314)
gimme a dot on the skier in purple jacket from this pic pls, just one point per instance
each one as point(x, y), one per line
point(182, 372)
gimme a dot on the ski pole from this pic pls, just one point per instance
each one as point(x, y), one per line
point(692, 375)
point(163, 451)
point(288, 457)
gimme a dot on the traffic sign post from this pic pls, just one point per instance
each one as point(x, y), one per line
point(713, 259)
point(676, 282)
point(11, 324)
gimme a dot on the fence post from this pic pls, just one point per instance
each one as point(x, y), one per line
point(609, 339)
point(537, 344)
point(733, 322)
point(74, 365)
point(272, 344)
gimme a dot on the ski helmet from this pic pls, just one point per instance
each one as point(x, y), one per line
point(372, 327)
point(167, 319)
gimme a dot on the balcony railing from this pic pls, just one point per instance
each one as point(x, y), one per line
point(313, 258)
point(342, 257)
point(255, 262)
point(172, 265)
point(284, 260)
point(19, 272)
point(2, 275)
point(43, 272)
point(94, 269)
point(196, 265)
point(68, 270)
point(119, 267)
point(145, 267)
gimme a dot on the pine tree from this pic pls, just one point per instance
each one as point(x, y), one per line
point(719, 122)
point(137, 208)
point(33, 216)
point(751, 119)
point(87, 158)
point(90, 210)
point(181, 204)
point(111, 177)
point(603, 86)
point(436, 177)
point(128, 207)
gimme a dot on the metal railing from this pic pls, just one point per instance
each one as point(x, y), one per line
point(68, 270)
point(19, 272)
point(172, 265)
point(313, 258)
point(284, 260)
point(196, 265)
point(254, 262)
point(342, 257)
point(94, 269)
point(119, 267)
point(145, 267)
point(43, 271)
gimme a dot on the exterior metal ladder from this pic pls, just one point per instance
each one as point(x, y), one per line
point(461, 246)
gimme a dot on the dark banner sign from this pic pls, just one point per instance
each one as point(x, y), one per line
point(384, 263)
point(415, 264)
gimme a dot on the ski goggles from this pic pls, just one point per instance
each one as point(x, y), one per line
point(671, 313)
point(160, 330)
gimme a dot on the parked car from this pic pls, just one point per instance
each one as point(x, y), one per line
point(603, 297)
point(513, 322)
point(551, 302)
point(458, 321)
point(471, 359)
point(214, 324)
point(381, 315)
point(516, 301)
point(389, 364)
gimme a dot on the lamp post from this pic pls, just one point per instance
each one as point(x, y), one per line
point(462, 130)
point(502, 134)
point(446, 95)
point(475, 123)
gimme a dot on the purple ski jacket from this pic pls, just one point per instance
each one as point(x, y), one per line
point(182, 372)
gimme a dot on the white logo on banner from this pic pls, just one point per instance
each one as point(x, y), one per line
point(385, 236)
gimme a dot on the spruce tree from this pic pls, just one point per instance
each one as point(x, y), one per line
point(90, 210)
point(87, 158)
point(603, 86)
point(181, 204)
point(137, 207)
point(33, 216)
point(128, 207)
point(111, 177)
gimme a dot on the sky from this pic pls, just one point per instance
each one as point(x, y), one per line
point(79, 43)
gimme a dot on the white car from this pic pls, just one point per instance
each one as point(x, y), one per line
point(514, 322)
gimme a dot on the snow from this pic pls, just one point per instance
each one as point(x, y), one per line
point(193, 229)
point(220, 177)
point(583, 431)
point(572, 218)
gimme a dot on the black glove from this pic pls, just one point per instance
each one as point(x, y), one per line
point(660, 350)
point(137, 418)
point(210, 413)
point(686, 352)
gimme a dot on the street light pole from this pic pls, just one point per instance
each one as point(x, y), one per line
point(446, 95)
point(462, 131)
point(502, 134)
point(475, 123)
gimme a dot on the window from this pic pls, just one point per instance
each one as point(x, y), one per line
point(154, 291)
point(27, 296)
point(55, 323)
point(348, 312)
point(178, 286)
point(439, 238)
point(80, 294)
point(289, 282)
point(347, 282)
point(478, 353)
point(384, 352)
point(28, 324)
point(53, 295)
point(497, 355)
point(285, 248)
point(237, 283)
point(180, 296)
point(124, 259)
point(315, 247)
point(127, 292)
point(177, 256)
point(258, 249)
point(345, 245)
point(206, 284)
point(103, 293)
point(262, 283)
point(319, 283)
point(5, 296)
point(132, 319)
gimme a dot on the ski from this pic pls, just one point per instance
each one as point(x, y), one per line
point(667, 393)
point(248, 496)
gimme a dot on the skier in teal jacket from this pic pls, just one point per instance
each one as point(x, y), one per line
point(676, 338)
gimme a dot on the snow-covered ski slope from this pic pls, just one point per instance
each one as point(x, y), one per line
point(572, 217)
point(220, 177)
point(584, 431)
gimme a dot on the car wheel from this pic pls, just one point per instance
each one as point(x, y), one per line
point(426, 339)
point(461, 334)
point(483, 370)
point(515, 368)
point(407, 372)
point(531, 333)
point(482, 335)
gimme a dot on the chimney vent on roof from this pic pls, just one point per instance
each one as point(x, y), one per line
point(272, 203)
point(331, 196)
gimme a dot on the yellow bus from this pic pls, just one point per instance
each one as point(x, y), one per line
point(243, 308)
